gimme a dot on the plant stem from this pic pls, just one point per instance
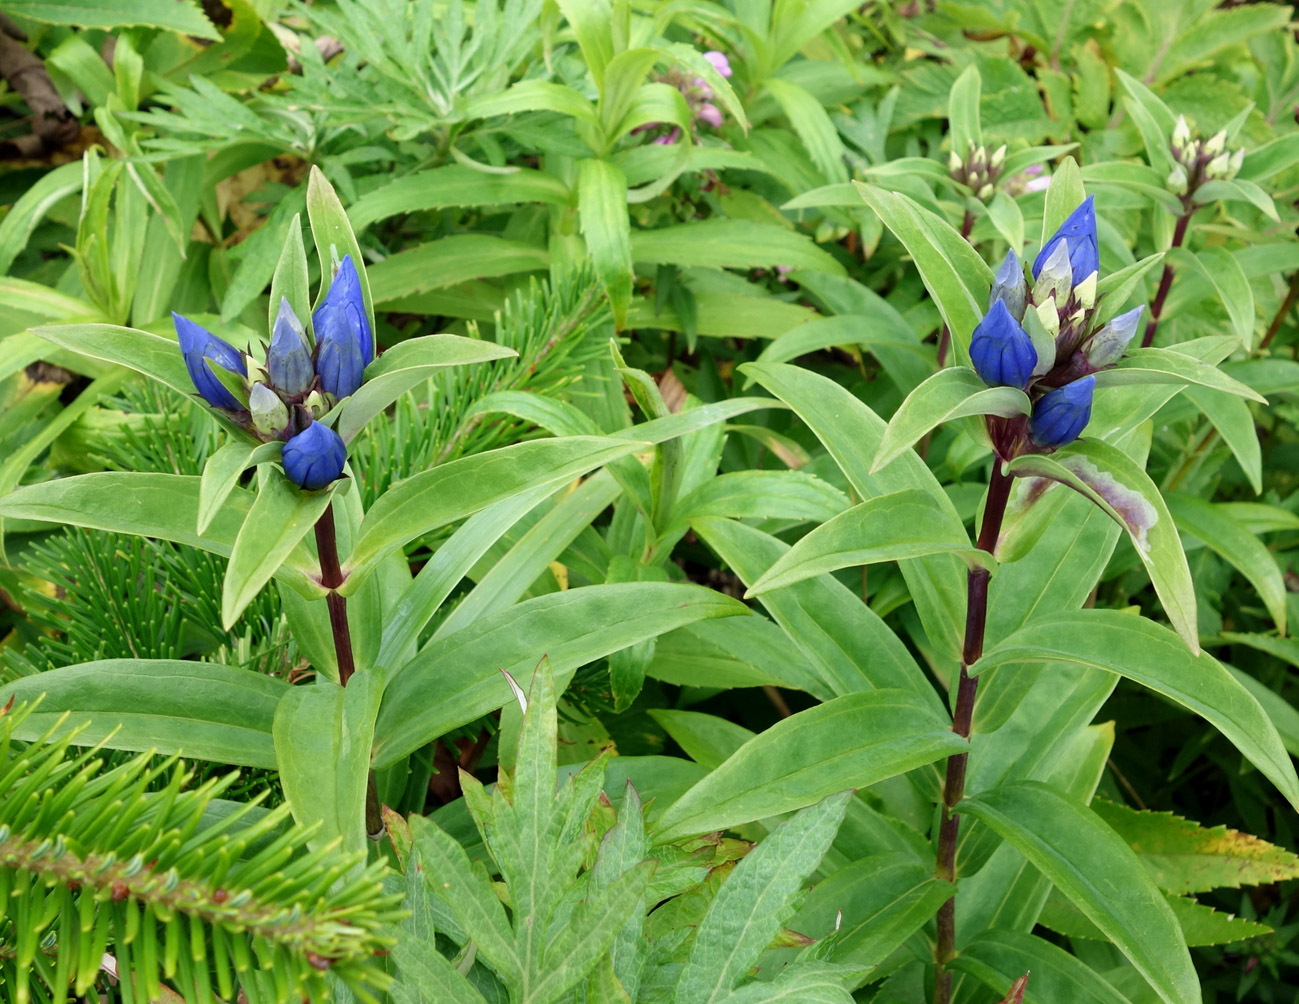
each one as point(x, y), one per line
point(1281, 313)
point(331, 577)
point(1166, 280)
point(976, 616)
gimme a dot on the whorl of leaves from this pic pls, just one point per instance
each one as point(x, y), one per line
point(106, 870)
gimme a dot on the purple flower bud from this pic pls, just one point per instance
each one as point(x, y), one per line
point(709, 114)
point(344, 345)
point(314, 457)
point(289, 359)
point(1084, 253)
point(667, 140)
point(1008, 286)
point(1002, 353)
point(720, 63)
point(343, 311)
point(1060, 415)
point(198, 344)
point(1109, 344)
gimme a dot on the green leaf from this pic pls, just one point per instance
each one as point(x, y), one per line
point(755, 901)
point(1112, 480)
point(1065, 194)
point(290, 280)
point(1113, 291)
point(602, 208)
point(963, 112)
point(163, 506)
point(1092, 865)
point(802, 982)
point(457, 489)
point(322, 752)
point(221, 475)
point(949, 394)
point(883, 899)
point(813, 126)
point(1000, 956)
point(801, 759)
point(198, 709)
point(720, 243)
point(456, 185)
point(280, 516)
point(428, 977)
point(1153, 120)
point(590, 21)
point(184, 16)
point(956, 277)
point(406, 365)
point(1235, 423)
point(905, 524)
point(1214, 526)
point(30, 208)
point(334, 238)
point(843, 329)
point(1142, 651)
point(851, 432)
point(450, 261)
point(1184, 857)
point(841, 645)
point(785, 495)
point(1201, 925)
point(706, 739)
point(1222, 270)
point(467, 891)
point(532, 96)
point(455, 679)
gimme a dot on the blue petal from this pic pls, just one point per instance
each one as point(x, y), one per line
point(197, 344)
point(1001, 351)
point(1060, 415)
point(339, 363)
point(314, 457)
point(288, 361)
point(344, 307)
point(1080, 229)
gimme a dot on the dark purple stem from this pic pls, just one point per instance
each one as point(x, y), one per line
point(1166, 280)
point(976, 616)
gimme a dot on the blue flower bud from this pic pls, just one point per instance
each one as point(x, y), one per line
point(344, 342)
point(198, 344)
point(1008, 286)
point(289, 360)
point(314, 457)
point(1080, 230)
point(1002, 353)
point(1060, 415)
point(1109, 344)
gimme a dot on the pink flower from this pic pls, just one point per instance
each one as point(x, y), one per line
point(667, 140)
point(709, 114)
point(719, 61)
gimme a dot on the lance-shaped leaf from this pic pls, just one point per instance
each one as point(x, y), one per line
point(460, 488)
point(156, 505)
point(999, 956)
point(963, 111)
point(407, 365)
point(280, 516)
point(956, 277)
point(334, 238)
point(906, 524)
point(1113, 291)
point(1098, 871)
point(949, 394)
point(1110, 478)
point(455, 679)
point(221, 475)
point(1153, 365)
point(290, 280)
point(197, 709)
point(602, 209)
point(805, 757)
point(1214, 525)
point(1147, 653)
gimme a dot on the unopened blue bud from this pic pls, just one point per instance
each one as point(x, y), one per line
point(197, 344)
point(289, 360)
point(1109, 344)
point(1002, 353)
point(314, 457)
point(1009, 287)
point(343, 338)
point(1060, 415)
point(1080, 230)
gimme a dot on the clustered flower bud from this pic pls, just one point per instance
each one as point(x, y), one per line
point(1042, 339)
point(297, 384)
point(978, 171)
point(1197, 161)
point(698, 95)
